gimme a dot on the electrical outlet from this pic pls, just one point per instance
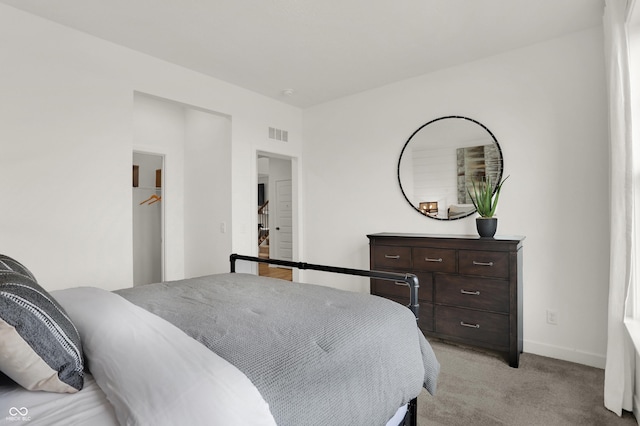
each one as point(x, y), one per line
point(223, 227)
point(552, 317)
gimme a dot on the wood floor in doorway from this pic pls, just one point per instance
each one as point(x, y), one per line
point(265, 270)
point(281, 273)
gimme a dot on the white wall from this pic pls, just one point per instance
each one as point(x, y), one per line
point(546, 106)
point(207, 193)
point(67, 106)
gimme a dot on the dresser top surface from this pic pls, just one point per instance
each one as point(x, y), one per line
point(497, 238)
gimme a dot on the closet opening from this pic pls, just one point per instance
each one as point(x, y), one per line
point(148, 218)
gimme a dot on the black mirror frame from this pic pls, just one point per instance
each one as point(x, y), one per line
point(422, 127)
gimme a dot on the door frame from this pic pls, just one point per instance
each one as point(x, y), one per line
point(296, 249)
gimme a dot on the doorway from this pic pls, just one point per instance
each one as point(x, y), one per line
point(148, 258)
point(276, 231)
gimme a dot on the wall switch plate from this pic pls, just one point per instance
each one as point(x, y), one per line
point(552, 317)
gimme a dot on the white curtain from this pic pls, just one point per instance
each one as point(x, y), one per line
point(620, 365)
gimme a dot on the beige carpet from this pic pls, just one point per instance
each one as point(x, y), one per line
point(478, 388)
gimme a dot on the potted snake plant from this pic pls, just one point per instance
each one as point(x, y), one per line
point(485, 199)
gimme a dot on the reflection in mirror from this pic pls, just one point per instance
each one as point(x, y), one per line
point(440, 161)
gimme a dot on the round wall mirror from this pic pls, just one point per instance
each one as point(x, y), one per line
point(439, 162)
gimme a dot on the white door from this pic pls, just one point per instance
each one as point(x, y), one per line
point(284, 220)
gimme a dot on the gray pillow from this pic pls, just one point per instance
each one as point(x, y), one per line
point(40, 347)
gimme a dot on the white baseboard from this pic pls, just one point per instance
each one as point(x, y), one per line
point(566, 354)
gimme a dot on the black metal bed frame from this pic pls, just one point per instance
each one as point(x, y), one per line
point(410, 280)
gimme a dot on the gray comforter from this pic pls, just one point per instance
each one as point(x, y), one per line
point(318, 356)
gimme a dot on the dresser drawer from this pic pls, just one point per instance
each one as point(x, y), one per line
point(484, 263)
point(434, 260)
point(471, 292)
point(400, 289)
point(391, 288)
point(391, 257)
point(469, 324)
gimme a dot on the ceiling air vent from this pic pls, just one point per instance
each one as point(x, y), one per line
point(278, 134)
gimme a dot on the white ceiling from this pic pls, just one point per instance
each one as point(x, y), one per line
point(322, 49)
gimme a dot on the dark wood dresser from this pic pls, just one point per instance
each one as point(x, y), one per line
point(470, 287)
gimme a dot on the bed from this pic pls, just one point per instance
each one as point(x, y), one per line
point(171, 353)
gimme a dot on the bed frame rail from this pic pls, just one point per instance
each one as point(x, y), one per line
point(410, 280)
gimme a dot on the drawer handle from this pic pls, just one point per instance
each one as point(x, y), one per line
point(392, 256)
point(483, 263)
point(472, 293)
point(428, 259)
point(466, 324)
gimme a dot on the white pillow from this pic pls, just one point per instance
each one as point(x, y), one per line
point(154, 373)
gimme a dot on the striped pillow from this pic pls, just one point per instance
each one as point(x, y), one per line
point(9, 264)
point(40, 347)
